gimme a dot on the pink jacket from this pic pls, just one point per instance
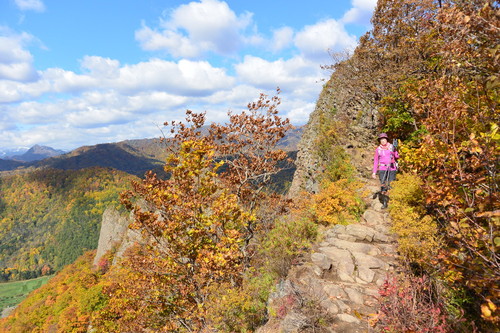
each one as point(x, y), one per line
point(385, 158)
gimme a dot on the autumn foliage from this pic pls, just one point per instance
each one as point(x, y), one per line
point(434, 75)
point(49, 217)
point(214, 239)
point(198, 224)
point(430, 69)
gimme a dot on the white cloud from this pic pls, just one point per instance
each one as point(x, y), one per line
point(287, 74)
point(35, 113)
point(36, 5)
point(298, 111)
point(101, 67)
point(184, 78)
point(62, 81)
point(314, 41)
point(94, 117)
point(298, 79)
point(196, 28)
point(282, 38)
point(16, 63)
point(176, 44)
point(360, 13)
point(187, 78)
point(109, 101)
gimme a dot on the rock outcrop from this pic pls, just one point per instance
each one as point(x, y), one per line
point(115, 234)
point(338, 282)
point(356, 120)
point(113, 227)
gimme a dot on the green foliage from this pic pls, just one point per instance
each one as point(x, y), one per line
point(240, 309)
point(285, 242)
point(335, 160)
point(49, 217)
point(399, 119)
point(244, 308)
point(64, 304)
point(12, 293)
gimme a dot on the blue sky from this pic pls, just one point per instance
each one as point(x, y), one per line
point(82, 72)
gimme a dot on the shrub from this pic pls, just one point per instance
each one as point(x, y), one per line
point(284, 242)
point(417, 231)
point(411, 304)
point(240, 309)
point(338, 203)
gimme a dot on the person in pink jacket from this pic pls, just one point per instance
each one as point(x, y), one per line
point(384, 162)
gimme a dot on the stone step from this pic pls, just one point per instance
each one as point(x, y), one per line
point(344, 272)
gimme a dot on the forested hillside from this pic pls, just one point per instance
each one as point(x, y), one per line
point(48, 217)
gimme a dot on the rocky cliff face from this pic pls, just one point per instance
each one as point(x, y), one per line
point(355, 121)
point(115, 234)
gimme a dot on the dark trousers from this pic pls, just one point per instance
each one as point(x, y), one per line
point(386, 177)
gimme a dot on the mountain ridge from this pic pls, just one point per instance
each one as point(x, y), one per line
point(132, 156)
point(38, 152)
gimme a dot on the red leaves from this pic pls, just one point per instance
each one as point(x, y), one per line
point(411, 304)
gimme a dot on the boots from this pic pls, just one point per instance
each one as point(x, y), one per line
point(383, 197)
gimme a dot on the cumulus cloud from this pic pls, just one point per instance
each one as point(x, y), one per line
point(282, 38)
point(287, 74)
point(100, 67)
point(36, 5)
point(187, 78)
point(196, 28)
point(107, 101)
point(314, 41)
point(299, 81)
point(360, 12)
point(183, 78)
point(35, 113)
point(16, 63)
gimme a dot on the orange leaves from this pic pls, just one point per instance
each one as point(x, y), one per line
point(435, 71)
point(194, 229)
point(197, 224)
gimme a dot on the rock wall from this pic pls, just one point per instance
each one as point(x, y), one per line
point(357, 119)
point(113, 229)
point(115, 233)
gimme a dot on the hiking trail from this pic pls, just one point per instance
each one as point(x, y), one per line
point(341, 276)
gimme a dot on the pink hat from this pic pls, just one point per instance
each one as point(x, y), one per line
point(383, 135)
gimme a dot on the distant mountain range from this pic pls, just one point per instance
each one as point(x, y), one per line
point(8, 153)
point(36, 153)
point(132, 156)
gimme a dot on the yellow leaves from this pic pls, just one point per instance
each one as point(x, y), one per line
point(337, 203)
point(417, 231)
point(489, 311)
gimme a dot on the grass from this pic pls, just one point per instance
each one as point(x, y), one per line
point(12, 293)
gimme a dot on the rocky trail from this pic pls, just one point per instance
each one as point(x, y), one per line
point(335, 287)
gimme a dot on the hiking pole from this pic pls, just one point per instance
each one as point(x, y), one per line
point(394, 148)
point(385, 179)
